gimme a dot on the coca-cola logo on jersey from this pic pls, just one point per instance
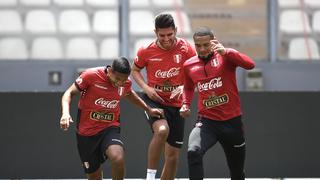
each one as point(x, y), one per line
point(212, 84)
point(167, 74)
point(108, 104)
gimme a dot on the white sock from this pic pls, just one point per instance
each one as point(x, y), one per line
point(151, 174)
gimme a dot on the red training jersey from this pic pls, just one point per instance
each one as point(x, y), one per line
point(218, 96)
point(99, 102)
point(164, 68)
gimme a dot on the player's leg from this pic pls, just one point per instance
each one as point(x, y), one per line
point(171, 160)
point(201, 138)
point(112, 146)
point(160, 129)
point(97, 175)
point(233, 143)
point(90, 155)
point(174, 143)
point(156, 146)
point(115, 154)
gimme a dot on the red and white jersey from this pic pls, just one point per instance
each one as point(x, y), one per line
point(164, 68)
point(99, 102)
point(218, 96)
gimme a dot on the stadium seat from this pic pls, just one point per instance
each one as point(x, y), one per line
point(312, 4)
point(8, 3)
point(102, 3)
point(300, 50)
point(316, 22)
point(69, 3)
point(288, 4)
point(10, 22)
point(35, 3)
point(141, 23)
point(46, 48)
point(167, 4)
point(182, 22)
point(106, 22)
point(13, 48)
point(40, 22)
point(109, 48)
point(294, 22)
point(139, 3)
point(81, 49)
point(74, 22)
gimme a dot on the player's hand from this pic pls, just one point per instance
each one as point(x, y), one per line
point(185, 111)
point(216, 46)
point(65, 121)
point(152, 94)
point(177, 92)
point(155, 112)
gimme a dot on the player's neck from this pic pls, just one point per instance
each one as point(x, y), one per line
point(163, 48)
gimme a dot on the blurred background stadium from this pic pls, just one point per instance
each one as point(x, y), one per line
point(44, 44)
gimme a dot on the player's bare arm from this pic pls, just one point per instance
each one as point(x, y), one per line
point(136, 100)
point(66, 99)
point(151, 92)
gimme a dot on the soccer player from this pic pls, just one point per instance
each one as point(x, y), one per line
point(163, 60)
point(213, 73)
point(98, 125)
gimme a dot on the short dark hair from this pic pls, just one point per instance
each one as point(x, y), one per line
point(164, 20)
point(121, 65)
point(203, 31)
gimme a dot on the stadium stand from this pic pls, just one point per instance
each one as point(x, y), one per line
point(81, 49)
point(106, 22)
point(40, 22)
point(46, 48)
point(35, 3)
point(109, 48)
point(303, 48)
point(10, 22)
point(13, 49)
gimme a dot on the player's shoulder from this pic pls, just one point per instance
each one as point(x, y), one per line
point(191, 61)
point(93, 70)
point(146, 46)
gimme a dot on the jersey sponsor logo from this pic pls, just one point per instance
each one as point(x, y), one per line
point(166, 87)
point(100, 86)
point(167, 74)
point(177, 58)
point(212, 84)
point(102, 116)
point(107, 104)
point(214, 100)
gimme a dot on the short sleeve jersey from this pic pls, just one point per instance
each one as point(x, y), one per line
point(164, 68)
point(99, 102)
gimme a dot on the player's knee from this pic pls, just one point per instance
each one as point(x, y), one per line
point(118, 160)
point(162, 132)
